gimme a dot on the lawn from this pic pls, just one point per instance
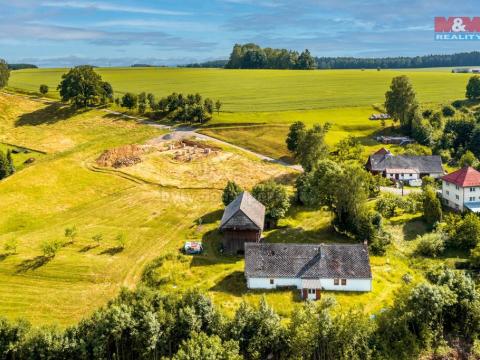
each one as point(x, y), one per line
point(62, 190)
point(264, 90)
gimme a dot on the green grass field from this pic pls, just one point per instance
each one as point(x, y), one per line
point(264, 90)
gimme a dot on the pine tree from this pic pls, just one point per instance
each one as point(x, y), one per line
point(4, 169)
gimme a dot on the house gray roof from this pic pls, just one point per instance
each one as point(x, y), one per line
point(244, 213)
point(307, 261)
point(424, 164)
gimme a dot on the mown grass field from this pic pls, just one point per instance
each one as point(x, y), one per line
point(274, 98)
point(264, 90)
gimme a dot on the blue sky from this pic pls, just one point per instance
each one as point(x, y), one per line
point(169, 32)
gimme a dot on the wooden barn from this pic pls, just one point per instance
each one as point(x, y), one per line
point(242, 221)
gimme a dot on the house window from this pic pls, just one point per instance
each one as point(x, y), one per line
point(472, 198)
point(272, 282)
point(344, 282)
point(457, 197)
point(311, 291)
point(448, 192)
point(472, 189)
point(456, 187)
point(336, 281)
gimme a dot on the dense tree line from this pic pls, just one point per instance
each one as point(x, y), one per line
point(175, 107)
point(460, 59)
point(252, 56)
point(21, 66)
point(146, 324)
point(207, 64)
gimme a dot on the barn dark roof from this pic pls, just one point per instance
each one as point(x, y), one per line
point(307, 261)
point(424, 164)
point(245, 212)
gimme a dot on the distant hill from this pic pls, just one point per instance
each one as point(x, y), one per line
point(207, 64)
point(21, 66)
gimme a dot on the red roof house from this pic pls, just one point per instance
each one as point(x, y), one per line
point(465, 177)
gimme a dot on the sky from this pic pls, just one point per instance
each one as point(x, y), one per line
point(54, 33)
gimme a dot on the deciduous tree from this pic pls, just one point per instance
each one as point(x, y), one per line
point(82, 86)
point(400, 101)
point(231, 191)
point(473, 88)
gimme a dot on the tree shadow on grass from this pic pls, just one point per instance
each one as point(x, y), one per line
point(4, 256)
point(413, 228)
point(33, 264)
point(51, 114)
point(87, 248)
point(112, 251)
point(234, 284)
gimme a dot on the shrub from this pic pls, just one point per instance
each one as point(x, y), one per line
point(448, 111)
point(467, 234)
point(387, 205)
point(43, 89)
point(50, 247)
point(457, 104)
point(427, 113)
point(431, 244)
point(432, 209)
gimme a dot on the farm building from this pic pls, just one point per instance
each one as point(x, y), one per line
point(404, 167)
point(461, 190)
point(242, 221)
point(310, 268)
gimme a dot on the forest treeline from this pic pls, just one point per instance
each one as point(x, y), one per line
point(441, 315)
point(252, 56)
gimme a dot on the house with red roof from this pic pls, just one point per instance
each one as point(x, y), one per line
point(461, 189)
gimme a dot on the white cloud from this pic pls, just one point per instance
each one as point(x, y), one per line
point(159, 24)
point(103, 6)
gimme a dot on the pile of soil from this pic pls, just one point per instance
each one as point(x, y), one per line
point(122, 156)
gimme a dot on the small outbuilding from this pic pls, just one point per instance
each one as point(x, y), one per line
point(243, 221)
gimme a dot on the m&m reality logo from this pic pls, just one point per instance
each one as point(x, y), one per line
point(460, 28)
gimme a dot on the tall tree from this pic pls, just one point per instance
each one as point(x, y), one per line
point(4, 73)
point(400, 101)
point(312, 147)
point(473, 88)
point(82, 86)
point(275, 199)
point(306, 61)
point(231, 191)
point(295, 135)
point(432, 208)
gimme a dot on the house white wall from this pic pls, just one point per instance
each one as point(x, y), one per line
point(456, 196)
point(264, 283)
point(326, 284)
point(406, 176)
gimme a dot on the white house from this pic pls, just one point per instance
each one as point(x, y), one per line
point(461, 190)
point(404, 167)
point(310, 268)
